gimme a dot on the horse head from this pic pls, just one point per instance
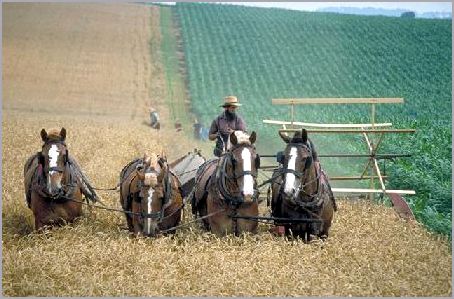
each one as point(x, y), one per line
point(297, 160)
point(53, 159)
point(152, 174)
point(241, 164)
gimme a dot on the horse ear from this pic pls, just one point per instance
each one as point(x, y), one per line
point(253, 137)
point(233, 139)
point(146, 158)
point(44, 135)
point(284, 137)
point(63, 134)
point(304, 135)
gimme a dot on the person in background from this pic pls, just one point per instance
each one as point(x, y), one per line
point(154, 118)
point(226, 123)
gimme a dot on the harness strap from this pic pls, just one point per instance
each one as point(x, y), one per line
point(221, 179)
point(296, 173)
point(67, 191)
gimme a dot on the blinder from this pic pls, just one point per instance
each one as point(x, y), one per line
point(308, 162)
point(161, 162)
point(67, 156)
point(233, 161)
point(280, 157)
point(139, 166)
point(257, 161)
point(309, 158)
point(40, 158)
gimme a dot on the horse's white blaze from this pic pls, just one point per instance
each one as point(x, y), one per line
point(290, 177)
point(248, 186)
point(149, 200)
point(53, 156)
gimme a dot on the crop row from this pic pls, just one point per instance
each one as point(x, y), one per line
point(258, 54)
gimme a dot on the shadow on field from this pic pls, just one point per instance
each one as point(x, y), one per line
point(17, 224)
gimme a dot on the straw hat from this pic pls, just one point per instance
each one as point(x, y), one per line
point(231, 101)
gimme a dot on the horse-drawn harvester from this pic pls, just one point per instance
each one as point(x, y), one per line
point(225, 191)
point(373, 134)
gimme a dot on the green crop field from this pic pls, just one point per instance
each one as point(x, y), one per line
point(258, 54)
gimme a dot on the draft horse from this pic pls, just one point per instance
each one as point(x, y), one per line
point(54, 182)
point(301, 190)
point(150, 195)
point(226, 187)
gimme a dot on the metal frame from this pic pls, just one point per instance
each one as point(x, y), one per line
point(366, 130)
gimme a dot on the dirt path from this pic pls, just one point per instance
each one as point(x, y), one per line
point(87, 67)
point(68, 71)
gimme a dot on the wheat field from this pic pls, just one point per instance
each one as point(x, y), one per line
point(90, 68)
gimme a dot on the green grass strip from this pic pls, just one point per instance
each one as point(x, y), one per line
point(176, 95)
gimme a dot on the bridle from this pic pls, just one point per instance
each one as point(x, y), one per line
point(166, 183)
point(298, 174)
point(54, 168)
point(67, 190)
point(222, 177)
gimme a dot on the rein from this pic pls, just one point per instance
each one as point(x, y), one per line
point(316, 199)
point(151, 215)
point(195, 220)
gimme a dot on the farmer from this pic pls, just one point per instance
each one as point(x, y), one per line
point(226, 123)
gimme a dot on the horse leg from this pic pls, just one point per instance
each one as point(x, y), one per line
point(220, 223)
point(129, 222)
point(69, 211)
point(244, 225)
point(38, 224)
point(137, 229)
point(327, 217)
point(41, 211)
point(136, 225)
point(202, 208)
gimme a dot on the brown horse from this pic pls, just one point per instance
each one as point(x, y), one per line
point(54, 183)
point(302, 190)
point(150, 195)
point(227, 187)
